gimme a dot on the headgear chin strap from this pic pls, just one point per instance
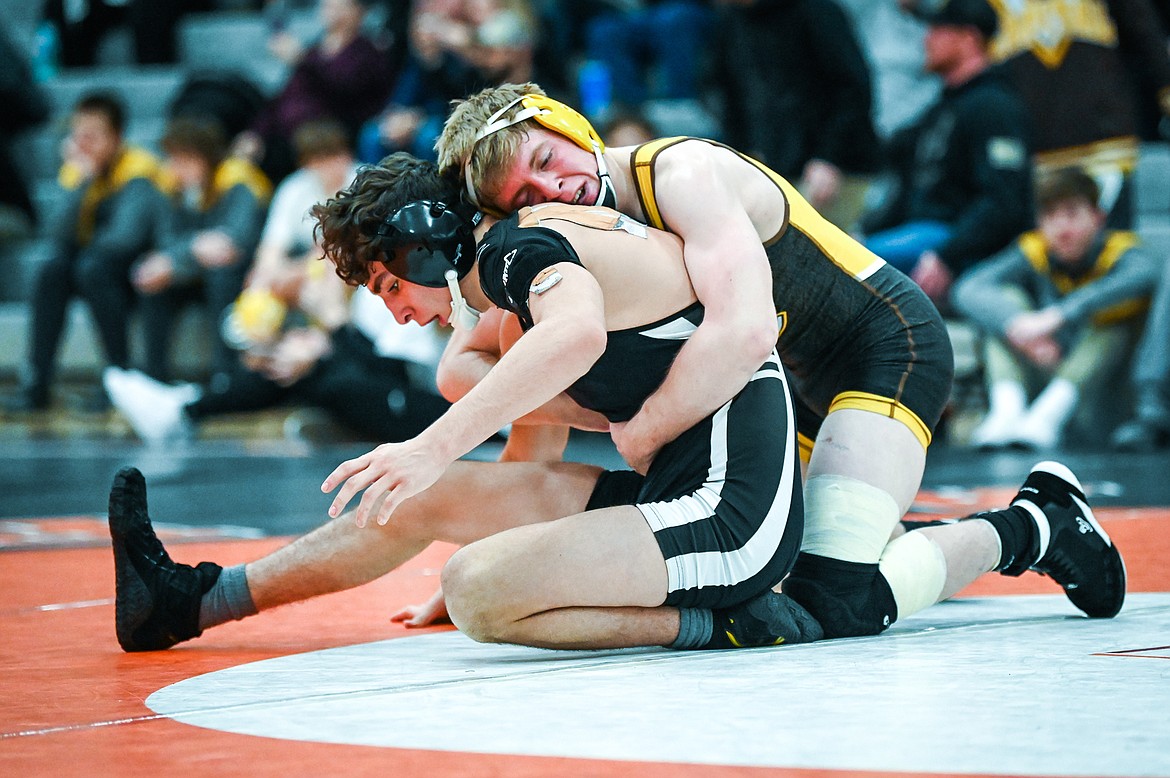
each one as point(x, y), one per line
point(561, 119)
point(463, 316)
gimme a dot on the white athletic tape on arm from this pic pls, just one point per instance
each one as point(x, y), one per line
point(847, 519)
point(916, 570)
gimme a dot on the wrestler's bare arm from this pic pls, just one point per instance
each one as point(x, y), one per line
point(568, 337)
point(731, 277)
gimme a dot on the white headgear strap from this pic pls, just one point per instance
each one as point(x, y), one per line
point(463, 316)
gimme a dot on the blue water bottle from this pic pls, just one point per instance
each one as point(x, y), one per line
point(46, 53)
point(595, 89)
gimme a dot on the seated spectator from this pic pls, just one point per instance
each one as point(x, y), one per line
point(344, 76)
point(25, 106)
point(649, 50)
point(302, 338)
point(627, 127)
point(81, 27)
point(1062, 307)
point(207, 238)
point(106, 220)
point(1149, 430)
point(452, 54)
point(963, 188)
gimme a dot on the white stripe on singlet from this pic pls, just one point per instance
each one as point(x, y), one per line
point(726, 568)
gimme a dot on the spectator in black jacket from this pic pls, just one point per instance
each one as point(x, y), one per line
point(25, 106)
point(799, 98)
point(963, 187)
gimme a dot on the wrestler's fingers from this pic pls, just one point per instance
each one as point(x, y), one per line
point(371, 501)
point(395, 498)
point(350, 487)
point(344, 471)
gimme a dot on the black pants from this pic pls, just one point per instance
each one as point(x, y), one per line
point(99, 278)
point(217, 288)
point(370, 394)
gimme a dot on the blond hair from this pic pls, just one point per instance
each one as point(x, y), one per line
point(489, 158)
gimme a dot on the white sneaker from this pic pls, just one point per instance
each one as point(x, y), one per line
point(997, 430)
point(1039, 433)
point(154, 409)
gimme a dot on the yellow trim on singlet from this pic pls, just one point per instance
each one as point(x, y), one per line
point(837, 246)
point(804, 445)
point(874, 403)
point(1033, 246)
point(642, 162)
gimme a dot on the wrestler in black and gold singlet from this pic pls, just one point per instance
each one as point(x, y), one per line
point(854, 332)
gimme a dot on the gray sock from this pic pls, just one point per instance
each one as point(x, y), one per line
point(228, 600)
point(694, 628)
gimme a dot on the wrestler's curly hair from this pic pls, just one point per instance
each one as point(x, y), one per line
point(347, 224)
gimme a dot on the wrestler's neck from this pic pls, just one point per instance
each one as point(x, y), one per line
point(617, 161)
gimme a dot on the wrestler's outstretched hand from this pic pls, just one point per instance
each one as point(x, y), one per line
point(433, 611)
point(389, 474)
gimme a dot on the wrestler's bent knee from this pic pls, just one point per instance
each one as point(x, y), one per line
point(467, 593)
point(849, 599)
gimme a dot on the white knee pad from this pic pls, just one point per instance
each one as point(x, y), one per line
point(847, 519)
point(916, 570)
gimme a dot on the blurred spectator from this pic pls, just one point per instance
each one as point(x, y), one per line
point(226, 96)
point(344, 76)
point(207, 238)
point(456, 49)
point(628, 128)
point(1063, 308)
point(646, 49)
point(1066, 60)
point(798, 98)
point(1150, 428)
point(25, 107)
point(302, 339)
point(81, 25)
point(963, 188)
point(106, 221)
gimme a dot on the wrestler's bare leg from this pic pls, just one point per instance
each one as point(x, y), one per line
point(871, 448)
point(593, 580)
point(471, 501)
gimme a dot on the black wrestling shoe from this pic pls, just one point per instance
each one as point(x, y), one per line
point(157, 600)
point(769, 620)
point(1070, 547)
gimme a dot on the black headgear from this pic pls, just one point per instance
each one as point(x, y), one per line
point(424, 239)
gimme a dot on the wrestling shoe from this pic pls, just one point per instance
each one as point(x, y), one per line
point(157, 600)
point(768, 620)
point(1070, 546)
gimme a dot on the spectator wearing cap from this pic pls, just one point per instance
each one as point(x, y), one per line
point(962, 188)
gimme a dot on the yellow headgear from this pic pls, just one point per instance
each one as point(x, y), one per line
point(547, 112)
